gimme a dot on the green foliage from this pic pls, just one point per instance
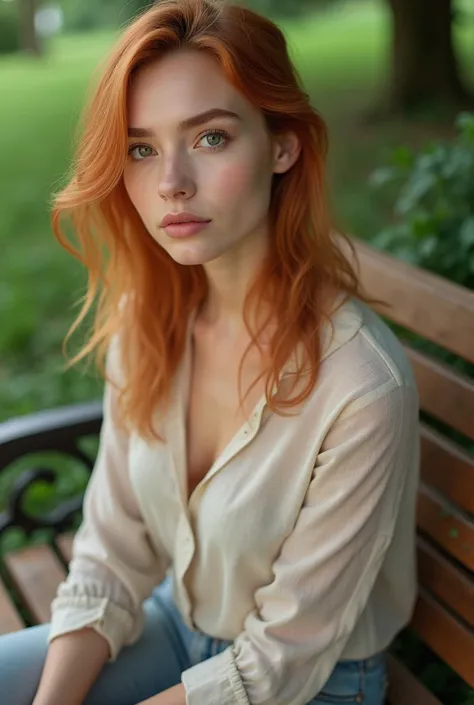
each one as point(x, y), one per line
point(85, 15)
point(287, 9)
point(434, 226)
point(9, 28)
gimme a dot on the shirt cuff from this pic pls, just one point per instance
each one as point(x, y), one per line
point(110, 621)
point(215, 681)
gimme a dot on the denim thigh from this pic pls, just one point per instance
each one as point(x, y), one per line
point(353, 682)
point(155, 662)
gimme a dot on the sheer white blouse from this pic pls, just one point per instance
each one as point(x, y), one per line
point(299, 543)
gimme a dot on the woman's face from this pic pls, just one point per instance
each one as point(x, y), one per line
point(197, 147)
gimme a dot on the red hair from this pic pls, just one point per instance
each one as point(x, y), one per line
point(143, 294)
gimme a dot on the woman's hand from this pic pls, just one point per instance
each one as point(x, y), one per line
point(172, 696)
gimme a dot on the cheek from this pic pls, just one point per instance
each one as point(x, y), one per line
point(238, 180)
point(134, 185)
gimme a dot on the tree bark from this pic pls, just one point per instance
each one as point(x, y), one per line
point(425, 70)
point(30, 42)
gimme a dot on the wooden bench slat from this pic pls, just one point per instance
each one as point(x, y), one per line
point(419, 300)
point(36, 573)
point(64, 545)
point(10, 620)
point(446, 581)
point(451, 640)
point(445, 394)
point(447, 467)
point(447, 527)
point(404, 688)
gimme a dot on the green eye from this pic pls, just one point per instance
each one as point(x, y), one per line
point(140, 151)
point(214, 139)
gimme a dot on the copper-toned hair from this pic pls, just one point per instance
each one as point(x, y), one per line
point(143, 294)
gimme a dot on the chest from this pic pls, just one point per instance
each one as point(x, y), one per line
point(214, 414)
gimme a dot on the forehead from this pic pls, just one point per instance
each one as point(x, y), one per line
point(179, 85)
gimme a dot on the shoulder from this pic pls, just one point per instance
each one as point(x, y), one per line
point(362, 358)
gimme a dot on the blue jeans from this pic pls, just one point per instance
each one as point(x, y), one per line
point(155, 663)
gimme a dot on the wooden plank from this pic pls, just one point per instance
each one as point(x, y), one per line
point(404, 688)
point(445, 394)
point(419, 300)
point(36, 573)
point(451, 640)
point(446, 581)
point(447, 526)
point(10, 620)
point(447, 467)
point(64, 544)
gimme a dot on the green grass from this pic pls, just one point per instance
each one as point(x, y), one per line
point(342, 57)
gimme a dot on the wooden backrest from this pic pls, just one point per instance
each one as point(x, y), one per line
point(442, 313)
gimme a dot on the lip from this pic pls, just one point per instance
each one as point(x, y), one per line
point(185, 229)
point(179, 218)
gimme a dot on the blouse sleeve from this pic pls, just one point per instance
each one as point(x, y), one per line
point(328, 565)
point(114, 566)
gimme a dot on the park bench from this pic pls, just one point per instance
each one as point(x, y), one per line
point(440, 312)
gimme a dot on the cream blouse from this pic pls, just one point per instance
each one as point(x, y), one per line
point(299, 543)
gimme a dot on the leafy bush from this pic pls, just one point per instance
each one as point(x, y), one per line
point(434, 226)
point(9, 28)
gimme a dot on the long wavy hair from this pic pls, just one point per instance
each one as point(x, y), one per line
point(138, 291)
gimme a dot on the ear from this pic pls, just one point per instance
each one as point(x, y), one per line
point(286, 150)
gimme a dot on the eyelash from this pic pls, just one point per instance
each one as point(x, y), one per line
point(222, 133)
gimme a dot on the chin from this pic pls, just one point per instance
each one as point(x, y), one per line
point(188, 256)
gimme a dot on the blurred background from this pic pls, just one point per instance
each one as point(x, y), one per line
point(391, 78)
point(394, 80)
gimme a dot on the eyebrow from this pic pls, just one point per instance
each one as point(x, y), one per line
point(194, 121)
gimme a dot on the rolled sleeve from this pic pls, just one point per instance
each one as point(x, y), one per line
point(114, 564)
point(327, 566)
point(216, 681)
point(76, 611)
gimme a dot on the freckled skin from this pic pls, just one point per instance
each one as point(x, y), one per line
point(180, 171)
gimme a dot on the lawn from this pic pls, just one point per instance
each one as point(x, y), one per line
point(342, 57)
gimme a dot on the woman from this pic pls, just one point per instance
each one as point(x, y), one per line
point(248, 530)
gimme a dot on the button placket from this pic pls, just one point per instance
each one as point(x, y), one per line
point(184, 552)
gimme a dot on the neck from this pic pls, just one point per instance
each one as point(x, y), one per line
point(229, 278)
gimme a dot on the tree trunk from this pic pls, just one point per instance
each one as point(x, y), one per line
point(425, 71)
point(30, 42)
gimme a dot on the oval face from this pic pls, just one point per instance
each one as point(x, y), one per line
point(200, 161)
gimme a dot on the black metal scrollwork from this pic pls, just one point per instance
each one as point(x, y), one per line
point(57, 430)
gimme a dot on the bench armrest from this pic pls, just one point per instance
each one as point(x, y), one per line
point(56, 430)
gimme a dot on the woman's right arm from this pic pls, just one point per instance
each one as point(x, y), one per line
point(114, 568)
point(73, 663)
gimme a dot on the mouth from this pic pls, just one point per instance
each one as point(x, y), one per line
point(183, 224)
point(179, 218)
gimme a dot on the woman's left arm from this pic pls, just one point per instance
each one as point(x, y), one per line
point(328, 565)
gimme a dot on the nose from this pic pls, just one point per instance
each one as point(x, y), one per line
point(176, 182)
